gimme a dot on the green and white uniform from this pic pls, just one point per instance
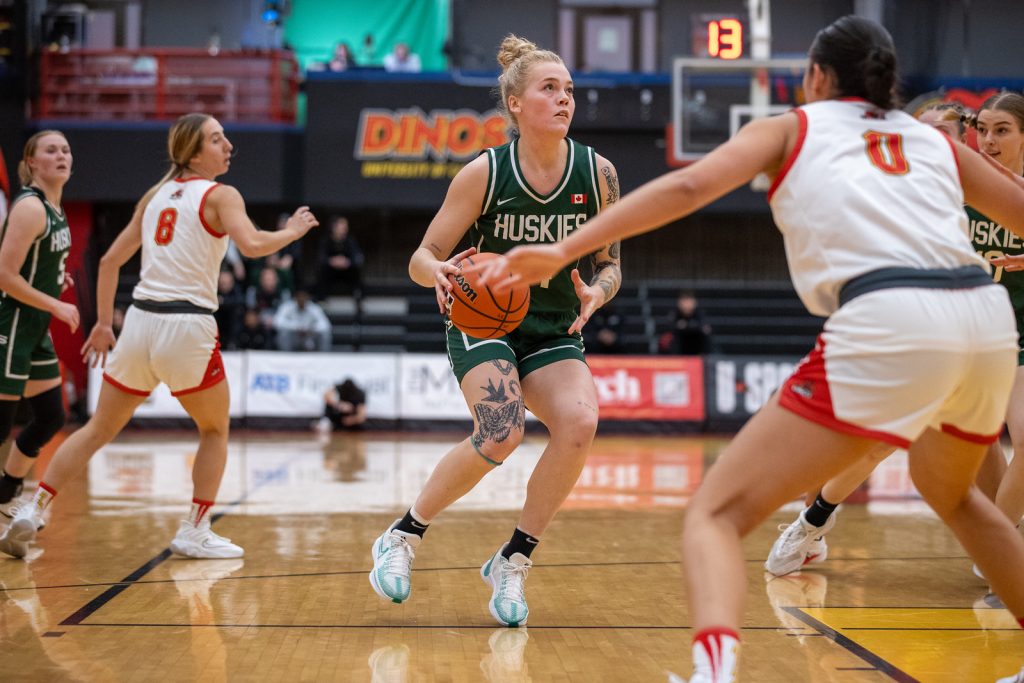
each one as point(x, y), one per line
point(515, 214)
point(26, 349)
point(991, 240)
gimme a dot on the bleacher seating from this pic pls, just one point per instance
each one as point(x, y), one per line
point(763, 318)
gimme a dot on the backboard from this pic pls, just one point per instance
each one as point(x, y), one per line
point(712, 99)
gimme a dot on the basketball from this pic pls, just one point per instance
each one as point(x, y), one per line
point(478, 311)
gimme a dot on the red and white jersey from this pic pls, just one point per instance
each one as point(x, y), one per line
point(866, 189)
point(181, 254)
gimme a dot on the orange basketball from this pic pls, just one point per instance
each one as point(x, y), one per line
point(478, 311)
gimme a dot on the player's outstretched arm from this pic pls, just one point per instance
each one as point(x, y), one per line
point(225, 212)
point(990, 189)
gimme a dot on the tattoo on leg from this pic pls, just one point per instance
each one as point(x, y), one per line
point(496, 423)
point(505, 367)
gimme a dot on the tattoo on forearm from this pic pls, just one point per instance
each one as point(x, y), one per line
point(607, 276)
point(615, 249)
point(613, 185)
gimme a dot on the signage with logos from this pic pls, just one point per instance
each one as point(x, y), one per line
point(737, 386)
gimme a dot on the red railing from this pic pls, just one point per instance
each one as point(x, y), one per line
point(162, 84)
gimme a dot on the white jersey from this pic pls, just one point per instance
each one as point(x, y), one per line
point(866, 189)
point(181, 255)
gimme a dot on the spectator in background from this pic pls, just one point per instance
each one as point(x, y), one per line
point(603, 333)
point(233, 260)
point(230, 306)
point(691, 333)
point(342, 59)
point(368, 52)
point(266, 296)
point(344, 407)
point(254, 336)
point(283, 261)
point(341, 267)
point(301, 325)
point(401, 60)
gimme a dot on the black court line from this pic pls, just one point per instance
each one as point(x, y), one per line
point(452, 627)
point(539, 567)
point(117, 588)
point(877, 663)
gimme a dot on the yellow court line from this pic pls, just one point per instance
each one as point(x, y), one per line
point(933, 645)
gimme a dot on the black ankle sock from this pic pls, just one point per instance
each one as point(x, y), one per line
point(9, 487)
point(409, 525)
point(820, 511)
point(521, 542)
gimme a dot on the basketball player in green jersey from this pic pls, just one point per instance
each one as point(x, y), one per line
point(34, 248)
point(538, 188)
point(1000, 125)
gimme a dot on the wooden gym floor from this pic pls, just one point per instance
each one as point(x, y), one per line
point(101, 599)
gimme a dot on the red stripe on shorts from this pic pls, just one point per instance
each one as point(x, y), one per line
point(807, 394)
point(214, 373)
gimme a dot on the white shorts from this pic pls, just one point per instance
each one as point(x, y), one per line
point(893, 362)
point(179, 349)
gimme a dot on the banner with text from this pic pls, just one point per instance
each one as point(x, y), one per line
point(646, 388)
point(737, 386)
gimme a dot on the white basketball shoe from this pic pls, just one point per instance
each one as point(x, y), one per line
point(507, 578)
point(201, 543)
point(800, 543)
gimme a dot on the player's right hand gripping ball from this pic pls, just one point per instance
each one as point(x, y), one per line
point(478, 311)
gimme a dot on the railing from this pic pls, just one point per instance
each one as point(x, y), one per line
point(162, 84)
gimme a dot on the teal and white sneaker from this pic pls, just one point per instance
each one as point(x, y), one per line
point(393, 553)
point(508, 583)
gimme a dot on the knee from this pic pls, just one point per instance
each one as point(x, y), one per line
point(577, 429)
point(496, 447)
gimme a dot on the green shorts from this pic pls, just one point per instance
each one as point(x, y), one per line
point(26, 349)
point(541, 339)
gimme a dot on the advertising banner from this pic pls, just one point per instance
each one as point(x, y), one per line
point(737, 386)
point(293, 384)
point(649, 388)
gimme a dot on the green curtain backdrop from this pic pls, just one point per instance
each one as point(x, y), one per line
point(315, 26)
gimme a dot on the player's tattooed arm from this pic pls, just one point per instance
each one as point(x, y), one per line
point(611, 180)
point(606, 264)
point(607, 269)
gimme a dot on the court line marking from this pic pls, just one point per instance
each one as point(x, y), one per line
point(632, 563)
point(116, 589)
point(879, 664)
point(456, 627)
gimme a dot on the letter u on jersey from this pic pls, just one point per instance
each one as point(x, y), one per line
point(885, 150)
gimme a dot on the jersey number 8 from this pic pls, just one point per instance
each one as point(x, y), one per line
point(165, 227)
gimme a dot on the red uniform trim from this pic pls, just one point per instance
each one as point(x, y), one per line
point(983, 439)
point(191, 177)
point(807, 394)
point(202, 218)
point(791, 159)
point(128, 390)
point(214, 373)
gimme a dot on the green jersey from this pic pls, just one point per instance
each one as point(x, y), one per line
point(992, 240)
point(515, 214)
point(26, 350)
point(44, 264)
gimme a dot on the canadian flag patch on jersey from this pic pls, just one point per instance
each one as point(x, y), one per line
point(579, 199)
